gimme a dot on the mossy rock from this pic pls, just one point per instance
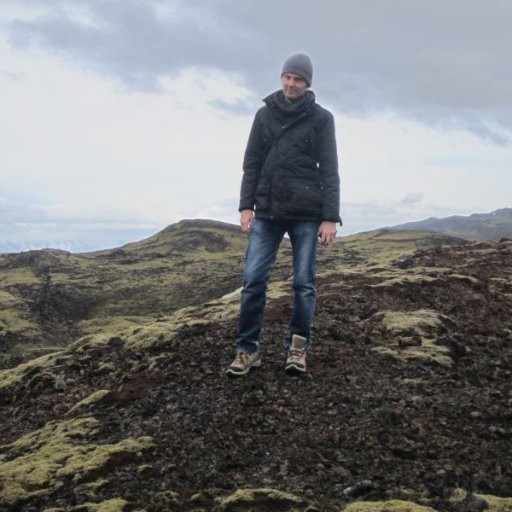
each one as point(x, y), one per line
point(114, 505)
point(90, 400)
point(260, 500)
point(422, 324)
point(40, 462)
point(387, 506)
point(495, 503)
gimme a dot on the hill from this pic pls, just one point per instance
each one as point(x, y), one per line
point(479, 226)
point(49, 298)
point(407, 406)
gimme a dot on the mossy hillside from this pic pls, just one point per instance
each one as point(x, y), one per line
point(143, 332)
point(54, 297)
point(133, 334)
point(7, 300)
point(377, 254)
point(52, 294)
point(15, 277)
point(40, 462)
point(382, 247)
point(112, 324)
point(15, 322)
point(374, 249)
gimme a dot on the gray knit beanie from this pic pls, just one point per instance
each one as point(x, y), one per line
point(299, 64)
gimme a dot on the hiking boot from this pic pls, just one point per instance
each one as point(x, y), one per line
point(296, 360)
point(243, 362)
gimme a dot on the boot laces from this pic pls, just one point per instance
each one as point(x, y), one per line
point(296, 354)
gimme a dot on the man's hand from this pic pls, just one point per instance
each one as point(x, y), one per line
point(246, 218)
point(327, 232)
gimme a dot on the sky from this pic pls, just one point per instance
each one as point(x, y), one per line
point(120, 117)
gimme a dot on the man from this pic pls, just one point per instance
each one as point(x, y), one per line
point(290, 185)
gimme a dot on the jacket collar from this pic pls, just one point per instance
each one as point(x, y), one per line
point(277, 103)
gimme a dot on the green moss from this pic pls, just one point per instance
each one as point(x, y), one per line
point(7, 299)
point(375, 249)
point(92, 486)
point(114, 505)
point(15, 321)
point(15, 375)
point(422, 321)
point(428, 352)
point(496, 504)
point(387, 506)
point(105, 368)
point(466, 279)
point(260, 497)
point(95, 397)
point(92, 458)
point(405, 279)
point(39, 462)
point(17, 276)
point(112, 324)
point(404, 325)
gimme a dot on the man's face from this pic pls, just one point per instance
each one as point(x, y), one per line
point(293, 86)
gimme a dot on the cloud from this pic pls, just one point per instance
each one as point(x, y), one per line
point(443, 63)
point(412, 198)
point(131, 115)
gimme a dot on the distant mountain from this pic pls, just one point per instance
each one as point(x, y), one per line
point(10, 246)
point(479, 226)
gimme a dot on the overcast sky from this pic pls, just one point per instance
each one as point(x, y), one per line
point(120, 117)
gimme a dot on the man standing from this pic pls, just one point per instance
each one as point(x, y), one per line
point(290, 185)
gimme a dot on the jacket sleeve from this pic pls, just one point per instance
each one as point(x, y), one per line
point(328, 162)
point(253, 162)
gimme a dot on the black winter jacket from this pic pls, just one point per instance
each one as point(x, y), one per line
point(291, 163)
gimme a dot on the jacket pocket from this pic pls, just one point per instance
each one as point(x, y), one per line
point(305, 198)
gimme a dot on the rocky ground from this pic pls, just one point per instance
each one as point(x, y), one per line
point(407, 398)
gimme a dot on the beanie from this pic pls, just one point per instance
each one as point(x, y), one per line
point(299, 64)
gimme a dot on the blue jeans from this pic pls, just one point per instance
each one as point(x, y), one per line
point(264, 241)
